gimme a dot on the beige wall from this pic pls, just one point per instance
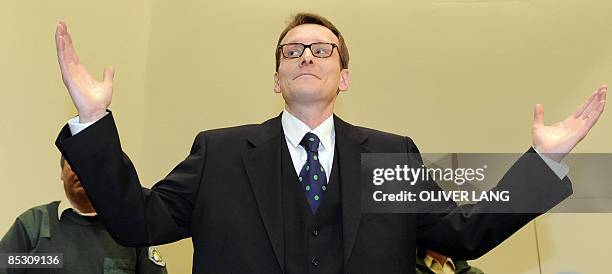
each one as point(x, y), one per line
point(458, 76)
point(35, 104)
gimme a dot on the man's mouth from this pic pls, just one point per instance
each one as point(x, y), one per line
point(306, 75)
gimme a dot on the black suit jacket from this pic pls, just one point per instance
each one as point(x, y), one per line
point(226, 195)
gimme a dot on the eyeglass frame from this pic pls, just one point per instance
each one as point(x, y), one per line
point(280, 47)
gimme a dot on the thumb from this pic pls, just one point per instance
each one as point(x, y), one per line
point(109, 74)
point(538, 115)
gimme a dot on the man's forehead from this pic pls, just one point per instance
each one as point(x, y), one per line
point(310, 33)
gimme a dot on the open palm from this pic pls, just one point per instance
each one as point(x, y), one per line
point(559, 139)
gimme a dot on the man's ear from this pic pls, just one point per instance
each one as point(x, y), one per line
point(276, 83)
point(62, 173)
point(345, 80)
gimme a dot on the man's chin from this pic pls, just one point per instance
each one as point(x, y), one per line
point(308, 93)
point(79, 190)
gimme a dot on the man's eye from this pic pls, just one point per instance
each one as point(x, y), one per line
point(321, 51)
point(293, 53)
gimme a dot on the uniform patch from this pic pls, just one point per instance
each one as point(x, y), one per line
point(155, 256)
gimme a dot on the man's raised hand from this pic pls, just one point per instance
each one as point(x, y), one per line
point(90, 97)
point(559, 139)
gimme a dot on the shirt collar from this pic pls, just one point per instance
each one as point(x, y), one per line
point(65, 204)
point(295, 130)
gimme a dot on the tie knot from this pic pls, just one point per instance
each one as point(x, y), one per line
point(310, 142)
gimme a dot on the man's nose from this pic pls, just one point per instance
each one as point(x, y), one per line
point(307, 58)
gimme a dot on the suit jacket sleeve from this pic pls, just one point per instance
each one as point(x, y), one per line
point(469, 231)
point(133, 215)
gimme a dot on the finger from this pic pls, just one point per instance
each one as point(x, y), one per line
point(538, 115)
point(591, 119)
point(601, 105)
point(584, 105)
point(58, 30)
point(595, 102)
point(109, 74)
point(70, 55)
point(62, 43)
point(59, 45)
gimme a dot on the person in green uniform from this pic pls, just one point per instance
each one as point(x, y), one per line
point(71, 227)
point(430, 262)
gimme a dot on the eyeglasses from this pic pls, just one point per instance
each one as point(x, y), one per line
point(295, 50)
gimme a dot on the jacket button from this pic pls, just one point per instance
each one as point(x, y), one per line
point(315, 232)
point(315, 262)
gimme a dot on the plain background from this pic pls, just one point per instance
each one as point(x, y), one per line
point(456, 76)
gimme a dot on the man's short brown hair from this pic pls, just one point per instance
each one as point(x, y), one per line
point(311, 18)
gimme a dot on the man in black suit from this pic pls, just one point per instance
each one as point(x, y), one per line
point(284, 196)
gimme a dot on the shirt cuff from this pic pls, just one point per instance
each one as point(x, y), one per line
point(560, 169)
point(76, 127)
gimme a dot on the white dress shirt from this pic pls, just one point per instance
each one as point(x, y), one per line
point(294, 131)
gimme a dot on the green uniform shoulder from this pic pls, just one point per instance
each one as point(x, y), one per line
point(36, 221)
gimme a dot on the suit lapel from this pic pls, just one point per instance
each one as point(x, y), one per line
point(349, 142)
point(263, 166)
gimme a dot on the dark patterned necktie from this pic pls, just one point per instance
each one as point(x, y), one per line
point(312, 177)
